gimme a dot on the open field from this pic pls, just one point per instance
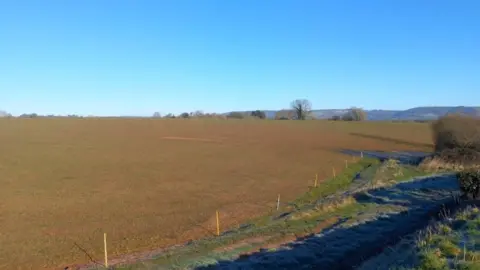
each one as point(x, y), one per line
point(151, 183)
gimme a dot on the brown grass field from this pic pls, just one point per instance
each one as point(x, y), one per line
point(151, 183)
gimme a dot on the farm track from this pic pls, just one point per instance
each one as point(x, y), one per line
point(347, 246)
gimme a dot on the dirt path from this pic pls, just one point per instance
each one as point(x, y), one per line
point(347, 246)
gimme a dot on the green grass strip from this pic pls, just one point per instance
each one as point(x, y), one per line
point(333, 185)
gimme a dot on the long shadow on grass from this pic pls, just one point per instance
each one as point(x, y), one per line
point(404, 157)
point(393, 140)
point(346, 247)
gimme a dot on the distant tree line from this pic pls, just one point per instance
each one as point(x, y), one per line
point(200, 114)
point(28, 115)
point(186, 115)
point(35, 115)
point(300, 109)
point(257, 114)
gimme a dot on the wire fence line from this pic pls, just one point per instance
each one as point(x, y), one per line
point(231, 222)
point(91, 251)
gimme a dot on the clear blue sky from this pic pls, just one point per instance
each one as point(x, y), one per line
point(137, 57)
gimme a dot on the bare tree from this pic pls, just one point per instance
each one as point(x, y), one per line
point(284, 115)
point(198, 113)
point(301, 108)
point(355, 114)
point(157, 115)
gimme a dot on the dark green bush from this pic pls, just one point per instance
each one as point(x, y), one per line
point(258, 114)
point(185, 115)
point(469, 182)
point(236, 115)
point(169, 116)
point(335, 118)
point(29, 115)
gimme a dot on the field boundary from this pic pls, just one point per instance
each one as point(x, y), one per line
point(345, 177)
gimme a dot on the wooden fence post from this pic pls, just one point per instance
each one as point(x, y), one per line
point(105, 249)
point(278, 202)
point(218, 224)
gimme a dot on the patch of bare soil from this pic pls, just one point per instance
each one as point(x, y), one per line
point(190, 139)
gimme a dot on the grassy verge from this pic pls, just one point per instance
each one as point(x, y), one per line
point(390, 172)
point(453, 244)
point(337, 184)
point(438, 164)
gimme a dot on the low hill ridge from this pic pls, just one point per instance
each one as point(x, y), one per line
point(417, 113)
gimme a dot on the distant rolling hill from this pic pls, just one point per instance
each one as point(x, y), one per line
point(422, 113)
point(4, 114)
point(418, 113)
